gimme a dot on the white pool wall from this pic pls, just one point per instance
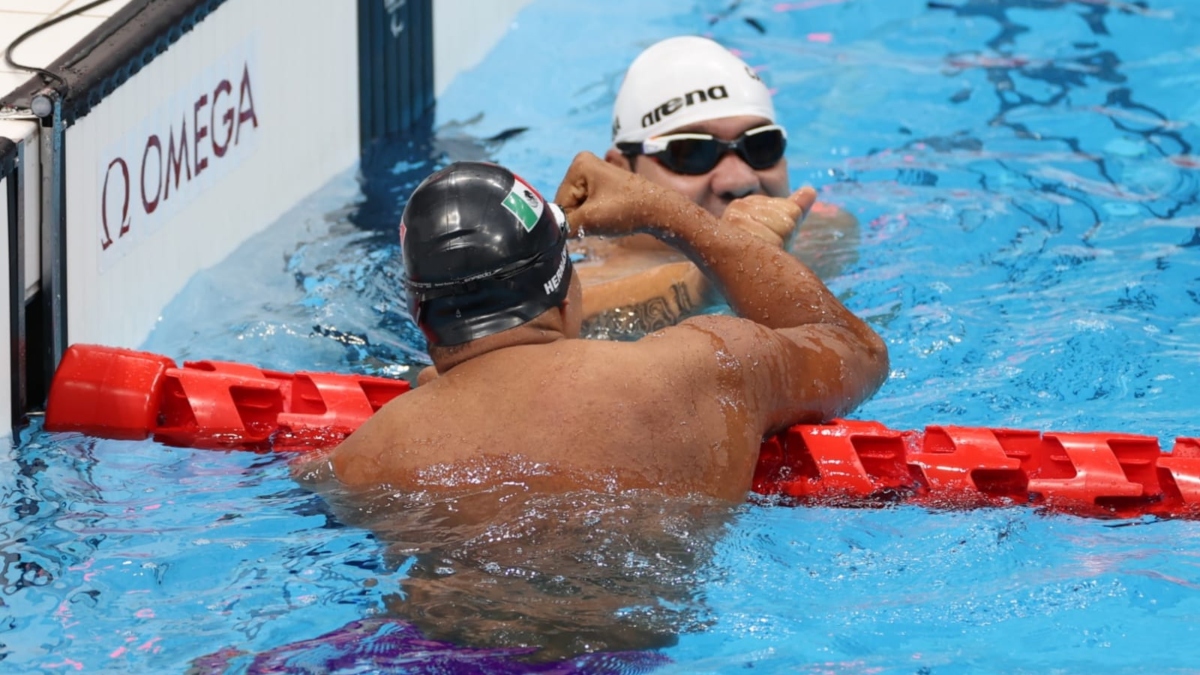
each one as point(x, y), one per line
point(251, 83)
point(464, 31)
point(299, 61)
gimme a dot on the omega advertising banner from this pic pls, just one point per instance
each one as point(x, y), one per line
point(208, 144)
point(188, 143)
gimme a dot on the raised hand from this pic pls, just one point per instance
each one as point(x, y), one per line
point(600, 198)
point(772, 219)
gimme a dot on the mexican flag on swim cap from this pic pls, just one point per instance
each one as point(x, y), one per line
point(685, 80)
point(482, 252)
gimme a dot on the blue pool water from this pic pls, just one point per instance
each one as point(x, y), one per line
point(1025, 178)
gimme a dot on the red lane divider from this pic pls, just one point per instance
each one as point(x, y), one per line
point(125, 394)
point(1089, 474)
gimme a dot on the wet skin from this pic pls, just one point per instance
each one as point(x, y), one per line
point(636, 284)
point(532, 414)
point(582, 413)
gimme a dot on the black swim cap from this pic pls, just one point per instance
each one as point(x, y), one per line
point(483, 252)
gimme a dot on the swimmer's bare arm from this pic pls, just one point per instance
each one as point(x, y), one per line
point(652, 298)
point(664, 294)
point(817, 361)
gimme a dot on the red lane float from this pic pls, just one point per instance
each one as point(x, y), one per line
point(1090, 474)
point(124, 394)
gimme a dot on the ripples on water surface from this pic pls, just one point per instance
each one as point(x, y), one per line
point(1026, 182)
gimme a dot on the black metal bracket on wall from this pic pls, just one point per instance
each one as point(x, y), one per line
point(395, 65)
point(10, 175)
point(53, 291)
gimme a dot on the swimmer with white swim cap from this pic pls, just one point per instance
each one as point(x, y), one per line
point(682, 103)
point(692, 116)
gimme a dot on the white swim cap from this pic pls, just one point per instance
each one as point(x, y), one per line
point(684, 80)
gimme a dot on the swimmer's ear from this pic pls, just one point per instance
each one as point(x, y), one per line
point(614, 157)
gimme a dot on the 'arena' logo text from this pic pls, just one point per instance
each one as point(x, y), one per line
point(679, 102)
point(207, 131)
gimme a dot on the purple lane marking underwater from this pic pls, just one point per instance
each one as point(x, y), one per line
point(387, 644)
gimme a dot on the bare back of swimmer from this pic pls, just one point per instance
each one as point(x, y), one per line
point(519, 398)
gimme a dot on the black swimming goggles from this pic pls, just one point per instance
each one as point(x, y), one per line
point(696, 154)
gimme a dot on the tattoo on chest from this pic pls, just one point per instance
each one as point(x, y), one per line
point(683, 299)
point(633, 321)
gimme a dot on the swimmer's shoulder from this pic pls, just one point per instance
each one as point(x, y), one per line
point(692, 347)
point(716, 342)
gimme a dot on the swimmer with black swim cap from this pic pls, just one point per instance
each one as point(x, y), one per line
point(520, 406)
point(517, 397)
point(483, 252)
